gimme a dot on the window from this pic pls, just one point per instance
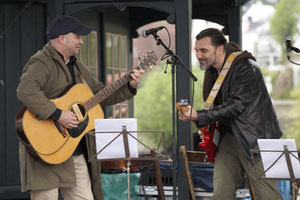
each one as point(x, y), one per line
point(116, 67)
point(88, 54)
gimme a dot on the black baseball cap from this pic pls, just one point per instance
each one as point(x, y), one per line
point(65, 24)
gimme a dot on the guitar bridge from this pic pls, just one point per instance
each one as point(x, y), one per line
point(60, 129)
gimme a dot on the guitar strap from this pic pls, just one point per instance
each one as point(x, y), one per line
point(215, 89)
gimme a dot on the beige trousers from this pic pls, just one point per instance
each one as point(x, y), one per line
point(82, 191)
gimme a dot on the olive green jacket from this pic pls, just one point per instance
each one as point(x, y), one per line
point(46, 76)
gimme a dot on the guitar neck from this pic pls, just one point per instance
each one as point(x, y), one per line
point(144, 63)
point(107, 91)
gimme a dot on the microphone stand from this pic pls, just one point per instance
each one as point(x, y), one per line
point(175, 61)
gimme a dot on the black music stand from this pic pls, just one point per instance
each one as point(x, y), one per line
point(127, 162)
point(287, 155)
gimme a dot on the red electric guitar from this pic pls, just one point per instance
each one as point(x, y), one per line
point(211, 134)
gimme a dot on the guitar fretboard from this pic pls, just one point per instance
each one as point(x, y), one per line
point(107, 91)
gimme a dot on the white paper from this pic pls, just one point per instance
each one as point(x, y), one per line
point(280, 169)
point(116, 148)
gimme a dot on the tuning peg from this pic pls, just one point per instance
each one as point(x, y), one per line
point(141, 61)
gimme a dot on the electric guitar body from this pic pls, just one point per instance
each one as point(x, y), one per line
point(210, 140)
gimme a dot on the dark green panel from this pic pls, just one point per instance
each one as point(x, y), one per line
point(12, 65)
point(235, 25)
point(2, 102)
point(183, 84)
point(28, 34)
point(21, 41)
point(41, 25)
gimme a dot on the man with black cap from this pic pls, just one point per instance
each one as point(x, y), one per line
point(47, 75)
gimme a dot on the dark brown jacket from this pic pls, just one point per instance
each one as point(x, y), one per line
point(244, 105)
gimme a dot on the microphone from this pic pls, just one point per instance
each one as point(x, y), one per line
point(151, 31)
point(288, 44)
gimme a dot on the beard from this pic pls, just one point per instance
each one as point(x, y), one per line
point(203, 65)
point(205, 60)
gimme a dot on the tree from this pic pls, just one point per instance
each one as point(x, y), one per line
point(283, 24)
point(284, 21)
point(291, 127)
point(153, 103)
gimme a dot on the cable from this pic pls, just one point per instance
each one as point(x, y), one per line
point(192, 97)
point(288, 57)
point(166, 55)
point(28, 4)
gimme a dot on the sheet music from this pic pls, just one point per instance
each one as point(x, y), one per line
point(116, 148)
point(280, 169)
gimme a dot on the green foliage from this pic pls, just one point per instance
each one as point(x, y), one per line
point(153, 103)
point(291, 129)
point(274, 75)
point(283, 85)
point(290, 114)
point(295, 93)
point(284, 21)
point(283, 24)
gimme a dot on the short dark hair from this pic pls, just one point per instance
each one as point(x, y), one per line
point(217, 37)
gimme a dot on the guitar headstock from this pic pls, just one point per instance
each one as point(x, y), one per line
point(148, 60)
point(182, 105)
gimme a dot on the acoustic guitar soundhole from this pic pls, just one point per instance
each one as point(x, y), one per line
point(82, 109)
point(75, 132)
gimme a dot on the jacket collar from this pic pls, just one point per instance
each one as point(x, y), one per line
point(51, 52)
point(211, 73)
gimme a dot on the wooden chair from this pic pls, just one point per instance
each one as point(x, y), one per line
point(295, 187)
point(198, 157)
point(191, 157)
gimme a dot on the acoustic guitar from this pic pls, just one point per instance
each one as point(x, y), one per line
point(48, 140)
point(211, 135)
